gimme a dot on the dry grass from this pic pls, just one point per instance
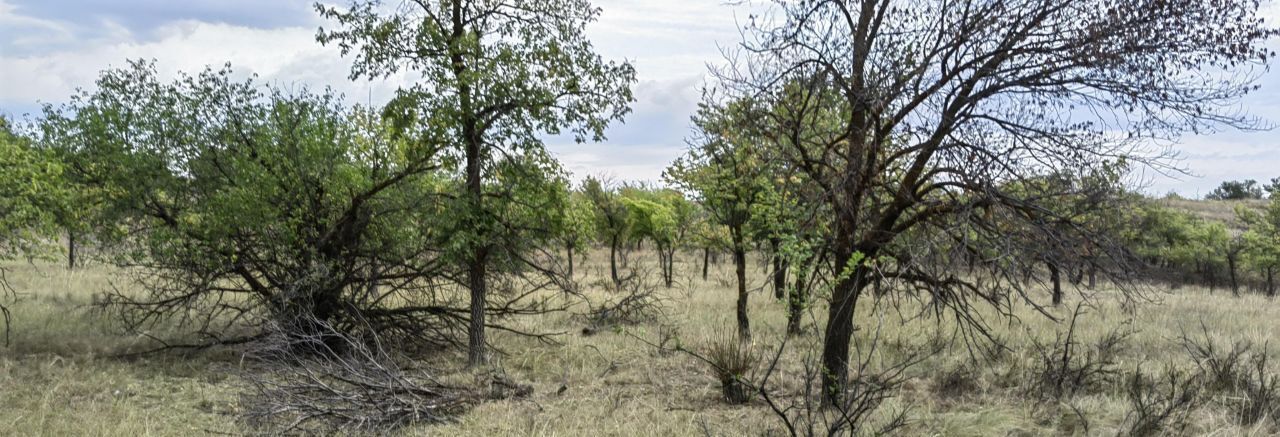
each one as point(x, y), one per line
point(1214, 210)
point(59, 377)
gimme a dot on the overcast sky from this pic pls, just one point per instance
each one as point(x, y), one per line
point(48, 48)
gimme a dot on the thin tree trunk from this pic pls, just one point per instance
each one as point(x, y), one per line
point(613, 260)
point(1231, 267)
point(570, 247)
point(1093, 277)
point(71, 250)
point(706, 258)
point(796, 303)
point(740, 268)
point(1056, 278)
point(779, 271)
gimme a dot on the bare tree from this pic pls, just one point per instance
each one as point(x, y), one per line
point(943, 107)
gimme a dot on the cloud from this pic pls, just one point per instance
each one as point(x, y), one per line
point(68, 21)
point(48, 48)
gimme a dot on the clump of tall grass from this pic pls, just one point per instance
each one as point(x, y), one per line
point(732, 359)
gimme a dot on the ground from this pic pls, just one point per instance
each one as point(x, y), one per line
point(62, 374)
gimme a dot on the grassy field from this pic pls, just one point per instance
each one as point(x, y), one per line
point(61, 374)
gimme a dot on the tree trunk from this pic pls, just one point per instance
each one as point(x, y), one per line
point(570, 248)
point(1056, 277)
point(779, 271)
point(795, 304)
point(1231, 267)
point(477, 353)
point(839, 331)
point(613, 260)
point(740, 268)
point(1093, 277)
point(664, 261)
point(71, 250)
point(706, 258)
point(1271, 285)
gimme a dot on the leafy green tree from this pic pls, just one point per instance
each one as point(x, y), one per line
point(613, 221)
point(1273, 188)
point(708, 235)
point(1236, 190)
point(248, 207)
point(724, 169)
point(664, 217)
point(32, 195)
point(494, 76)
point(1262, 241)
point(578, 228)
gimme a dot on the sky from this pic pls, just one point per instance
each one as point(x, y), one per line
point(49, 48)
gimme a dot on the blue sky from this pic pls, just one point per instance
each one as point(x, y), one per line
point(48, 48)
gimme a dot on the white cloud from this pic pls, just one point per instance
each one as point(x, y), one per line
point(670, 41)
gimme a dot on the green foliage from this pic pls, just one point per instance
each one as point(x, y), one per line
point(32, 194)
point(578, 222)
point(1236, 190)
point(249, 205)
point(1262, 240)
point(726, 170)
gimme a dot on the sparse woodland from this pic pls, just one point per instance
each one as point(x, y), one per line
point(892, 217)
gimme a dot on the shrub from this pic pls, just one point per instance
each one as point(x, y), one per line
point(1160, 404)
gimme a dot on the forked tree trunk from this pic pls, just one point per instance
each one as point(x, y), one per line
point(665, 256)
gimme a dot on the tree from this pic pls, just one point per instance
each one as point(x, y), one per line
point(248, 207)
point(1273, 188)
point(32, 195)
point(945, 102)
point(578, 229)
point(724, 168)
point(1262, 241)
point(665, 218)
point(494, 76)
point(707, 234)
point(612, 220)
point(1236, 190)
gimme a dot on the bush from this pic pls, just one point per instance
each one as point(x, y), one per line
point(1066, 367)
point(1160, 405)
point(1241, 374)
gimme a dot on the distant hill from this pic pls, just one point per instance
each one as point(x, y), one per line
point(1219, 210)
